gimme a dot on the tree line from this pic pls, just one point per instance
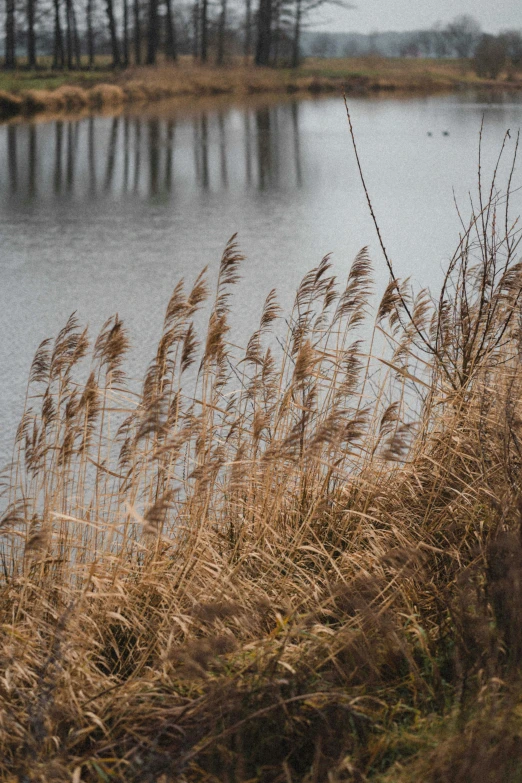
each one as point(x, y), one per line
point(464, 38)
point(461, 38)
point(73, 32)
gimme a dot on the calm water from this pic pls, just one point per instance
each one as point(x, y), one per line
point(104, 215)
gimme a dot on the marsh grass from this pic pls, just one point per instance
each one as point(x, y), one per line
point(296, 561)
point(24, 92)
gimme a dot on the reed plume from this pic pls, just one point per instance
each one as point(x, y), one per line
point(297, 561)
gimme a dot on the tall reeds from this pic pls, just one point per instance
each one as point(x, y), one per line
point(295, 561)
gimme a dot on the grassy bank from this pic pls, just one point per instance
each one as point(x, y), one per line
point(28, 93)
point(300, 561)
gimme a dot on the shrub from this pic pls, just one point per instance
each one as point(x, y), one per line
point(490, 56)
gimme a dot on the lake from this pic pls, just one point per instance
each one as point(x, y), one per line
point(105, 214)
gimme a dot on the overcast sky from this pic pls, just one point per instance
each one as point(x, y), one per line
point(371, 15)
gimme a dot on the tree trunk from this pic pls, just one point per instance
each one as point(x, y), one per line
point(264, 32)
point(90, 34)
point(58, 53)
point(125, 33)
point(204, 31)
point(195, 30)
point(137, 33)
point(76, 38)
point(275, 34)
point(68, 34)
point(152, 38)
point(296, 42)
point(170, 33)
point(247, 50)
point(31, 38)
point(10, 34)
point(222, 28)
point(115, 48)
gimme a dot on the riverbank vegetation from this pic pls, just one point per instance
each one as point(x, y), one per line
point(27, 93)
point(297, 561)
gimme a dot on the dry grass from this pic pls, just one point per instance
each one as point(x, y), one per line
point(36, 101)
point(74, 98)
point(105, 95)
point(362, 75)
point(296, 562)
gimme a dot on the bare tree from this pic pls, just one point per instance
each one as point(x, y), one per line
point(171, 52)
point(490, 56)
point(513, 40)
point(463, 34)
point(152, 34)
point(440, 41)
point(203, 29)
point(137, 32)
point(322, 45)
point(195, 29)
point(75, 37)
point(58, 49)
point(10, 34)
point(264, 32)
point(90, 32)
point(69, 34)
point(424, 42)
point(302, 9)
point(125, 33)
point(279, 20)
point(247, 48)
point(222, 25)
point(31, 37)
point(115, 46)
point(296, 39)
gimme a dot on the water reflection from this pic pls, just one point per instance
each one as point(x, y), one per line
point(88, 158)
point(169, 154)
point(91, 156)
point(12, 158)
point(264, 148)
point(137, 154)
point(32, 157)
point(57, 156)
point(200, 125)
point(110, 156)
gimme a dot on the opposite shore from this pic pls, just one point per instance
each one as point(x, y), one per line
point(27, 93)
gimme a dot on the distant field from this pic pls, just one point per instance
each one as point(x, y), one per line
point(47, 79)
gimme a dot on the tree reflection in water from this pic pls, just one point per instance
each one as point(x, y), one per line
point(144, 155)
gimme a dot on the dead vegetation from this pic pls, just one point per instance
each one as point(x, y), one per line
point(159, 86)
point(356, 76)
point(301, 562)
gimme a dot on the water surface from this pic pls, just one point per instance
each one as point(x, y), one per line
point(105, 214)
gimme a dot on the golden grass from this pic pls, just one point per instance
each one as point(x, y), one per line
point(105, 95)
point(300, 561)
point(36, 101)
point(363, 75)
point(74, 98)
